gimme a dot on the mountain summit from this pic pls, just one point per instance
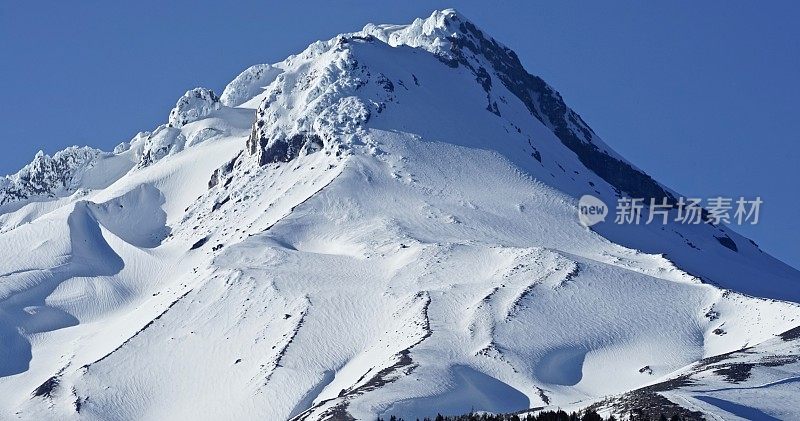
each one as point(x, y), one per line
point(383, 224)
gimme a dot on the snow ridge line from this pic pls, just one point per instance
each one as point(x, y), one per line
point(516, 306)
point(381, 378)
point(47, 388)
point(87, 366)
point(311, 196)
point(282, 352)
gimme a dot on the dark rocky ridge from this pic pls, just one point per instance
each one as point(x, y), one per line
point(283, 149)
point(546, 104)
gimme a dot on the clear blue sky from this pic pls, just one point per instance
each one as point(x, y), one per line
point(701, 95)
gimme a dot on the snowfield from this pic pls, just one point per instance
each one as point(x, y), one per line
point(384, 224)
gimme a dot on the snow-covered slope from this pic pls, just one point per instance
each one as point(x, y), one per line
point(382, 224)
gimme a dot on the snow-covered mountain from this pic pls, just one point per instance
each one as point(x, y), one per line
point(383, 224)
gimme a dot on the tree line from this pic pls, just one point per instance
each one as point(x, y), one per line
point(541, 416)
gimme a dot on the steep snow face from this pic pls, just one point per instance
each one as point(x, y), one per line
point(458, 42)
point(248, 84)
point(327, 95)
point(384, 224)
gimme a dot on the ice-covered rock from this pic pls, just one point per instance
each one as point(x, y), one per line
point(192, 106)
point(165, 140)
point(435, 33)
point(48, 175)
point(325, 93)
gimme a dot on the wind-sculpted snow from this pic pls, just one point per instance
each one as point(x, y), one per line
point(169, 139)
point(135, 217)
point(248, 84)
point(384, 224)
point(24, 299)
